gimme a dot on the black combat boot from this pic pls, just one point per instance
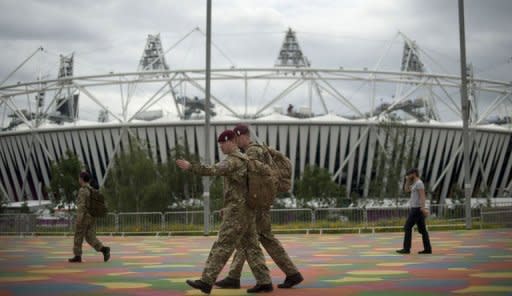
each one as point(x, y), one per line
point(261, 288)
point(228, 283)
point(76, 259)
point(403, 251)
point(200, 285)
point(291, 281)
point(106, 253)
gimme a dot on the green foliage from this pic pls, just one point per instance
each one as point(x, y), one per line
point(24, 209)
point(393, 158)
point(64, 179)
point(316, 184)
point(3, 201)
point(457, 192)
point(137, 184)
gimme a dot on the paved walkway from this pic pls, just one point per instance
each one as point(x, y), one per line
point(464, 262)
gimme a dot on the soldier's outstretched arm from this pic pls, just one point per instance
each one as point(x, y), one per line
point(222, 168)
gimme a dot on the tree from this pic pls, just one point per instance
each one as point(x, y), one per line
point(3, 201)
point(393, 157)
point(130, 179)
point(64, 179)
point(316, 185)
point(137, 183)
point(24, 209)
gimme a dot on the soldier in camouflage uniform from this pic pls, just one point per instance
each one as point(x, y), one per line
point(85, 223)
point(238, 224)
point(263, 224)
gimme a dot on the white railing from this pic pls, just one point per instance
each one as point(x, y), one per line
point(321, 219)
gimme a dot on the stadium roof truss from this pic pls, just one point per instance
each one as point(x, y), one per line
point(26, 154)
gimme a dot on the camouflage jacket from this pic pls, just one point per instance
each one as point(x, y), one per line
point(81, 202)
point(258, 152)
point(234, 170)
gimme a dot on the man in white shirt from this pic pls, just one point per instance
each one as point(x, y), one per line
point(417, 213)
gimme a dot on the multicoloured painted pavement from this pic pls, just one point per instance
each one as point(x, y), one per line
point(472, 262)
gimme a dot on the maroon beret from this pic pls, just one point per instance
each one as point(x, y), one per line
point(85, 176)
point(241, 129)
point(226, 136)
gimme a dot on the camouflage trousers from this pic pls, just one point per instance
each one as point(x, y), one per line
point(86, 228)
point(237, 229)
point(270, 243)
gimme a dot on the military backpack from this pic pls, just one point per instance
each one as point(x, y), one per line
point(96, 205)
point(282, 167)
point(261, 183)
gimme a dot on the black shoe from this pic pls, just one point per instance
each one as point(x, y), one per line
point(76, 259)
point(425, 252)
point(106, 253)
point(228, 283)
point(200, 285)
point(403, 251)
point(291, 281)
point(261, 288)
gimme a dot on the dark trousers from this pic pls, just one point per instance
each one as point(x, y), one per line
point(416, 217)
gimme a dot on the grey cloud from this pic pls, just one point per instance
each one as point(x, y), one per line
point(110, 35)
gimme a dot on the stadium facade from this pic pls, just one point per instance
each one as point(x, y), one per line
point(350, 147)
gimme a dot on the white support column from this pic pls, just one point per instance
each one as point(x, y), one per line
point(438, 154)
point(369, 161)
point(272, 135)
point(161, 144)
point(283, 138)
point(333, 146)
point(499, 165)
point(313, 144)
point(294, 135)
point(324, 137)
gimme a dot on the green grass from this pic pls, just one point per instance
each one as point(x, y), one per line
point(323, 226)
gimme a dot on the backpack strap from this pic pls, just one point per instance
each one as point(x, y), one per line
point(88, 200)
point(244, 157)
point(269, 151)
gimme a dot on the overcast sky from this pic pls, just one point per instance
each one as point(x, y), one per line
point(110, 35)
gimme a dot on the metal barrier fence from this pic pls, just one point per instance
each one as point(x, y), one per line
point(183, 221)
point(298, 217)
point(496, 217)
point(141, 222)
point(282, 219)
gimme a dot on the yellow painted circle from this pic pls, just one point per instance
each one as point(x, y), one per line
point(218, 292)
point(56, 271)
point(393, 264)
point(483, 289)
point(11, 279)
point(352, 279)
point(377, 272)
point(493, 275)
point(124, 285)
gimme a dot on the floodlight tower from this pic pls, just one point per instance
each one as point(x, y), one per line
point(410, 58)
point(411, 62)
point(67, 103)
point(290, 54)
point(153, 58)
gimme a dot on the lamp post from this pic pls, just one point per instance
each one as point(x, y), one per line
point(465, 117)
point(206, 180)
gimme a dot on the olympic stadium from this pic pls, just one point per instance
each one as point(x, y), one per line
point(336, 118)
